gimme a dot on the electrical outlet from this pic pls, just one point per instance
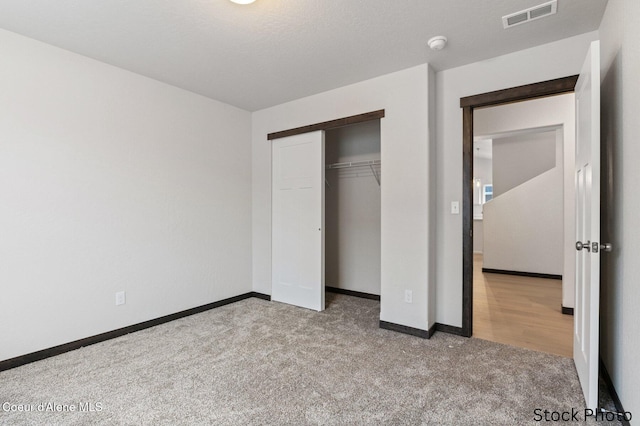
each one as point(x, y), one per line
point(408, 296)
point(120, 298)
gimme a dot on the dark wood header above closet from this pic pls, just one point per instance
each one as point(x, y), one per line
point(327, 125)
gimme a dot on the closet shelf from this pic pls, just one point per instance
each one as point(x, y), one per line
point(353, 164)
point(350, 164)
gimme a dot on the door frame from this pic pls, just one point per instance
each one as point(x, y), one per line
point(468, 104)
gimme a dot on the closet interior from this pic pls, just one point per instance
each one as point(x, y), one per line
point(352, 207)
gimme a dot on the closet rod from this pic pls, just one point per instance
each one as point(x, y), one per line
point(369, 163)
point(353, 164)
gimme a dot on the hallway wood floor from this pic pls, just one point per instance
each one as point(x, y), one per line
point(520, 311)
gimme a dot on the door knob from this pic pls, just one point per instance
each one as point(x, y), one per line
point(581, 245)
point(589, 246)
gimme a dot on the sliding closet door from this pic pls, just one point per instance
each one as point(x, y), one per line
point(298, 220)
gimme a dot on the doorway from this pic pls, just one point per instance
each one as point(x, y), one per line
point(353, 210)
point(468, 105)
point(523, 162)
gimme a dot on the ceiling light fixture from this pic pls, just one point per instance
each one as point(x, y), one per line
point(243, 1)
point(437, 42)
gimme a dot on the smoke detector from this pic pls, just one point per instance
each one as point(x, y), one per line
point(437, 42)
point(536, 12)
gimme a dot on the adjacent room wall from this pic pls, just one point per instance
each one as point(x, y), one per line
point(352, 212)
point(110, 181)
point(526, 209)
point(554, 60)
point(523, 227)
point(620, 130)
point(516, 159)
point(406, 192)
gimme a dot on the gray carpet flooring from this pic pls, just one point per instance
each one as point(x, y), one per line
point(265, 363)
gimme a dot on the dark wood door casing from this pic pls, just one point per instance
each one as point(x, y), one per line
point(468, 104)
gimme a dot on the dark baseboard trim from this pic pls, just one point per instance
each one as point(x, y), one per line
point(567, 311)
point(404, 329)
point(522, 274)
point(77, 344)
point(432, 330)
point(458, 331)
point(612, 391)
point(352, 293)
point(260, 295)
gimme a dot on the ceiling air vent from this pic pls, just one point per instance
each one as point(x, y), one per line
point(531, 14)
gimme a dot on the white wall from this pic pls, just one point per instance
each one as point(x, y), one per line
point(406, 195)
point(112, 181)
point(526, 211)
point(620, 328)
point(559, 59)
point(516, 159)
point(523, 228)
point(352, 212)
point(533, 115)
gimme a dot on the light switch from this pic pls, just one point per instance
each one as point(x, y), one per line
point(455, 207)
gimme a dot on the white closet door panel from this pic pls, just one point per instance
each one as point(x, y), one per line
point(298, 220)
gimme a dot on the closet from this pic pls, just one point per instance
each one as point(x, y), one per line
point(352, 207)
point(325, 207)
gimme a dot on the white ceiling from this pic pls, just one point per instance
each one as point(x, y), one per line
point(273, 51)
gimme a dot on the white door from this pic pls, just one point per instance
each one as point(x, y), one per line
point(586, 320)
point(297, 240)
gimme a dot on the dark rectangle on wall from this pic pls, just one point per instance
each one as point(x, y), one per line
point(77, 344)
point(522, 274)
point(405, 329)
point(567, 311)
point(326, 125)
point(352, 293)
